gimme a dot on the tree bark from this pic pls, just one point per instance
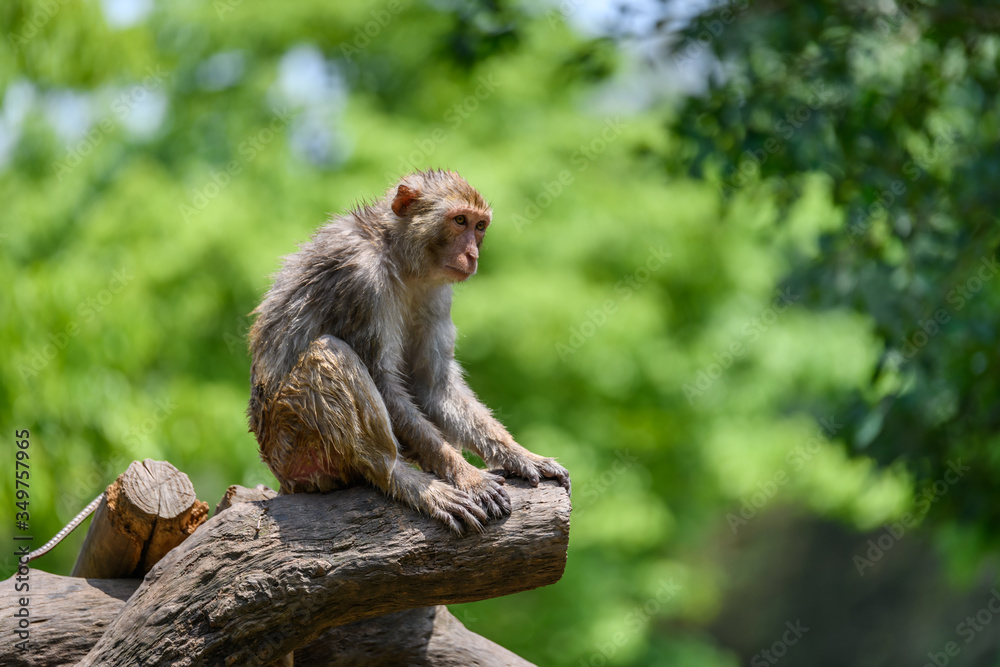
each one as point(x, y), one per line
point(70, 614)
point(264, 578)
point(424, 637)
point(241, 494)
point(67, 616)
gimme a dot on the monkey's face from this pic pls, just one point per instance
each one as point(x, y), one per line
point(443, 221)
point(464, 228)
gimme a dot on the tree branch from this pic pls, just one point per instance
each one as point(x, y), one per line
point(70, 614)
point(264, 578)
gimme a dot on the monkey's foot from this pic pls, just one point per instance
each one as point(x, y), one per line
point(455, 508)
point(533, 468)
point(428, 494)
point(485, 488)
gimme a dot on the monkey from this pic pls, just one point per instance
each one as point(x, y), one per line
point(353, 372)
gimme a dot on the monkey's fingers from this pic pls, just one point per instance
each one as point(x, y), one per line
point(485, 488)
point(448, 520)
point(456, 509)
point(496, 502)
point(471, 517)
point(526, 469)
point(555, 471)
point(552, 470)
point(458, 519)
point(534, 469)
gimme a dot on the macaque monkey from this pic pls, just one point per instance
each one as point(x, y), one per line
point(354, 373)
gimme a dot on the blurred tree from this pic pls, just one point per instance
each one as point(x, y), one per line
point(895, 106)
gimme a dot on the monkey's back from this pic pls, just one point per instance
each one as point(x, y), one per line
point(332, 285)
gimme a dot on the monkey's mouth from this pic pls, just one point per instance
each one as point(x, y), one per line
point(459, 274)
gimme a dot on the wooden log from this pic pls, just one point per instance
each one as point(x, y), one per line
point(146, 512)
point(424, 637)
point(241, 494)
point(429, 636)
point(263, 578)
point(69, 615)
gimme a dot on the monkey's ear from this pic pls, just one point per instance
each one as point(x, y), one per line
point(404, 197)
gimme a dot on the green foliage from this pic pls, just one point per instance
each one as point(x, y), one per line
point(689, 305)
point(895, 107)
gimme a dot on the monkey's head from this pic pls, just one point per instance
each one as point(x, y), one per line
point(442, 220)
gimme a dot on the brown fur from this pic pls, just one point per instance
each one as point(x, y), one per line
point(353, 359)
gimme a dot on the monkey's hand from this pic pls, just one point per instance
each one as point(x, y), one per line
point(485, 488)
point(533, 468)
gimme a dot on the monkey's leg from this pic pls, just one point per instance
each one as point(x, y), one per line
point(328, 424)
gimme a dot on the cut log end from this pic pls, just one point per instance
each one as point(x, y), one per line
point(146, 512)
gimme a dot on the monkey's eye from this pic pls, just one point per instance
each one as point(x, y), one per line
point(460, 220)
point(481, 225)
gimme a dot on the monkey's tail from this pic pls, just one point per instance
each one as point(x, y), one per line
point(69, 528)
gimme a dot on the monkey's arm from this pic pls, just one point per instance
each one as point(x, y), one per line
point(423, 442)
point(465, 421)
